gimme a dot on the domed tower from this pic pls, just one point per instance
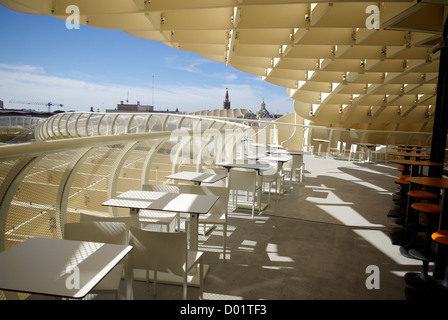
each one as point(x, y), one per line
point(263, 112)
point(226, 102)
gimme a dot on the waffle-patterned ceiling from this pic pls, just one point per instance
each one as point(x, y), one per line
point(333, 60)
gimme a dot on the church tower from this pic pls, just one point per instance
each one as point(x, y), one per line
point(226, 102)
point(263, 112)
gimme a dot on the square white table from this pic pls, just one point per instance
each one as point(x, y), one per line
point(320, 144)
point(192, 204)
point(49, 266)
point(259, 167)
point(254, 166)
point(196, 177)
point(267, 145)
point(295, 154)
point(369, 147)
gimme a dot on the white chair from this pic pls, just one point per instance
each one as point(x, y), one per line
point(162, 218)
point(244, 180)
point(336, 151)
point(308, 147)
point(355, 153)
point(106, 232)
point(380, 149)
point(344, 146)
point(390, 148)
point(297, 163)
point(217, 214)
point(164, 252)
point(272, 177)
point(130, 220)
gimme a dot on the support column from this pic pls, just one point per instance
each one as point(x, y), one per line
point(439, 141)
point(441, 113)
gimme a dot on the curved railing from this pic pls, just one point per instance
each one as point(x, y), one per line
point(87, 124)
point(285, 131)
point(20, 128)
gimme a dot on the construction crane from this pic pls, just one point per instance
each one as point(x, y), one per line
point(48, 104)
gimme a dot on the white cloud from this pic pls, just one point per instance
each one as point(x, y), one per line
point(22, 68)
point(199, 67)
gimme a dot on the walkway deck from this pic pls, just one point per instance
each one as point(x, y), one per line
point(314, 243)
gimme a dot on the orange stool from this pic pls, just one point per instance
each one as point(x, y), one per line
point(421, 280)
point(404, 187)
point(441, 237)
point(421, 194)
point(441, 286)
point(432, 211)
point(402, 182)
point(424, 207)
point(413, 195)
point(399, 236)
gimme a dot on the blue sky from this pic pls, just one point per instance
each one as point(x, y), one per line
point(43, 61)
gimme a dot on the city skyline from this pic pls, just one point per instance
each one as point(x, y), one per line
point(43, 61)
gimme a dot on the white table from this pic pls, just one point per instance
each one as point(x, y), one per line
point(47, 266)
point(196, 177)
point(320, 144)
point(369, 147)
point(280, 160)
point(295, 155)
point(259, 167)
point(267, 145)
point(254, 166)
point(192, 204)
point(287, 152)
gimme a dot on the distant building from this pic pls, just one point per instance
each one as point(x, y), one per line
point(263, 112)
point(134, 107)
point(127, 107)
point(1, 104)
point(226, 102)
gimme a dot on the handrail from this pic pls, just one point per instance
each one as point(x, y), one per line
point(55, 128)
point(88, 123)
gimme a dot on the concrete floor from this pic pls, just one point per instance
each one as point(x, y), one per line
point(316, 242)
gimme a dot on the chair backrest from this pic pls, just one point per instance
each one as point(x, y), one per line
point(242, 179)
point(273, 169)
point(214, 170)
point(131, 220)
point(159, 251)
point(391, 147)
point(107, 232)
point(220, 206)
point(353, 147)
point(297, 161)
point(380, 147)
point(220, 183)
point(161, 188)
